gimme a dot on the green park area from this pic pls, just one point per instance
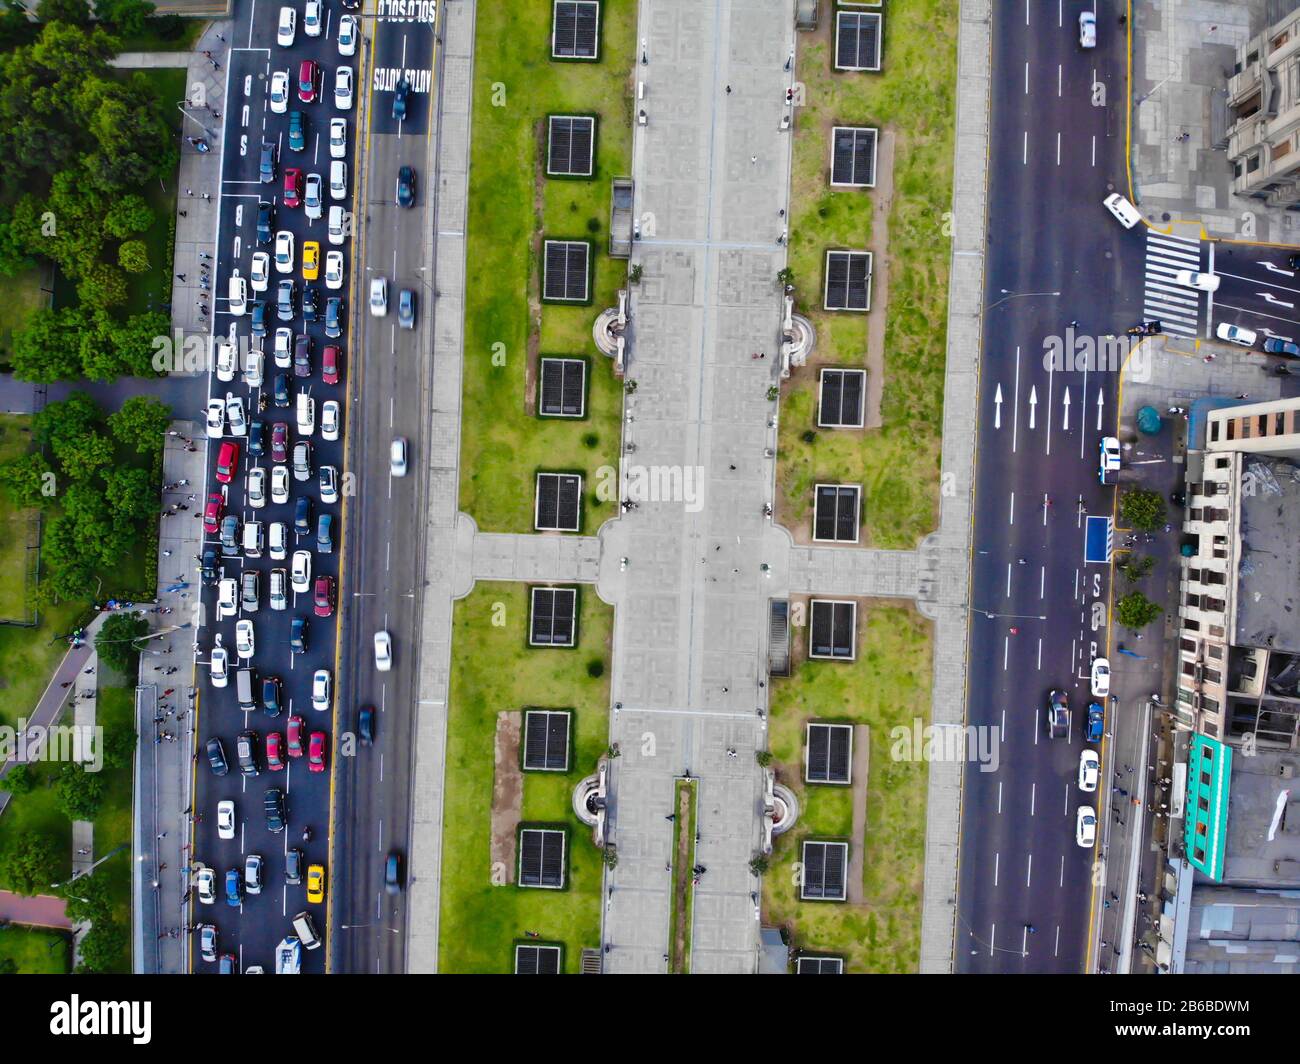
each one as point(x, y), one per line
point(34, 951)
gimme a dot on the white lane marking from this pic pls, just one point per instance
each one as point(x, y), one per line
point(1015, 406)
point(1012, 519)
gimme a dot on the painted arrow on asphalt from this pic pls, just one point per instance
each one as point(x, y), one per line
point(1269, 297)
point(1277, 269)
point(1033, 404)
point(997, 408)
point(1065, 427)
point(1101, 401)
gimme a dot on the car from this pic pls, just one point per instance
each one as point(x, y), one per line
point(401, 92)
point(273, 808)
point(338, 179)
point(279, 582)
point(1100, 678)
point(383, 651)
point(311, 260)
point(323, 596)
point(297, 131)
point(405, 192)
point(229, 536)
point(292, 198)
point(393, 873)
point(1205, 282)
point(1095, 726)
point(280, 391)
point(315, 882)
point(246, 752)
point(293, 731)
point(208, 942)
point(1089, 770)
point(300, 571)
point(1085, 826)
point(293, 867)
point(238, 292)
point(257, 318)
point(339, 225)
point(327, 479)
point(272, 695)
point(255, 437)
point(266, 162)
point(208, 563)
point(216, 420)
point(1087, 29)
point(306, 414)
point(313, 197)
point(253, 868)
point(1108, 460)
point(256, 491)
point(379, 296)
point(366, 725)
point(308, 80)
point(245, 641)
point(329, 420)
point(334, 317)
point(1122, 209)
point(302, 345)
point(329, 364)
point(217, 757)
point(265, 222)
point(302, 515)
point(224, 362)
point(334, 270)
point(287, 28)
point(286, 300)
point(298, 635)
point(279, 442)
point(309, 302)
point(276, 536)
point(227, 597)
point(316, 753)
point(227, 462)
point(347, 36)
point(280, 92)
point(1275, 345)
point(235, 415)
point(338, 138)
point(225, 819)
point(311, 18)
point(1058, 715)
point(320, 690)
point(259, 272)
point(325, 534)
point(227, 964)
point(302, 468)
point(281, 347)
point(205, 885)
point(275, 752)
point(1235, 334)
point(343, 88)
point(406, 308)
point(397, 457)
point(284, 254)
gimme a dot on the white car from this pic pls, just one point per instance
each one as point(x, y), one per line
point(216, 418)
point(320, 690)
point(280, 92)
point(306, 414)
point(253, 364)
point(226, 819)
point(300, 572)
point(397, 457)
point(279, 486)
point(277, 537)
point(312, 197)
point(383, 651)
point(334, 269)
point(338, 135)
point(256, 491)
point(219, 670)
point(227, 597)
point(284, 257)
point(225, 362)
point(338, 225)
point(1089, 770)
point(1085, 826)
point(347, 35)
point(329, 420)
point(343, 88)
point(288, 27)
point(1122, 209)
point(379, 296)
point(1087, 29)
point(279, 601)
point(238, 292)
point(311, 18)
point(205, 884)
point(1206, 282)
point(259, 273)
point(338, 179)
point(1235, 334)
point(1108, 459)
point(283, 348)
point(1100, 677)
point(245, 644)
point(328, 476)
point(235, 415)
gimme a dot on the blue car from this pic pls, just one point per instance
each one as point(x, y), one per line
point(1096, 723)
point(234, 888)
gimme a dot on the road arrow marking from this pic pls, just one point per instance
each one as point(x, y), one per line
point(1277, 269)
point(997, 408)
point(1100, 404)
point(1033, 404)
point(1065, 421)
point(1269, 297)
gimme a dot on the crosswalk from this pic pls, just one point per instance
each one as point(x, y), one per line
point(1174, 305)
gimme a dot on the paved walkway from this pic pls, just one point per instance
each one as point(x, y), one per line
point(41, 910)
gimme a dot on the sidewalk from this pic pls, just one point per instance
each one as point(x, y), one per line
point(40, 910)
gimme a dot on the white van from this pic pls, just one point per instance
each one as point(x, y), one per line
point(338, 225)
point(306, 930)
point(306, 414)
point(1123, 210)
point(253, 364)
point(244, 684)
point(253, 539)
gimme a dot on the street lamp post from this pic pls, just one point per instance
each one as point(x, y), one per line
point(1007, 294)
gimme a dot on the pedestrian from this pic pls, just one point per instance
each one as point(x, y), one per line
point(66, 684)
point(1105, 903)
point(753, 159)
point(183, 214)
point(167, 554)
point(163, 835)
point(188, 192)
point(1114, 896)
point(207, 55)
point(1244, 395)
point(207, 196)
point(220, 38)
point(1015, 631)
point(728, 90)
point(181, 276)
point(162, 867)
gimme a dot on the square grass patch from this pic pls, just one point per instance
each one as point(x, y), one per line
point(23, 297)
point(35, 951)
point(16, 527)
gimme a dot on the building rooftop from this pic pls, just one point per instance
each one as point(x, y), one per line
point(1257, 785)
point(1268, 586)
point(1232, 931)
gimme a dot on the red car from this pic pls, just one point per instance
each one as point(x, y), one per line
point(280, 442)
point(308, 79)
point(293, 731)
point(316, 752)
point(293, 187)
point(227, 462)
point(212, 514)
point(274, 755)
point(329, 364)
point(324, 596)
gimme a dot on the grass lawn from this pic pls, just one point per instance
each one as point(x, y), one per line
point(887, 686)
point(37, 951)
point(22, 296)
point(15, 525)
point(28, 657)
point(503, 445)
point(897, 464)
point(115, 708)
point(493, 669)
point(149, 39)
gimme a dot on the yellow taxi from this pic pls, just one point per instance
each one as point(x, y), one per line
point(310, 260)
point(315, 884)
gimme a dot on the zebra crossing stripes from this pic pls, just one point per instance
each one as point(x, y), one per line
point(1175, 305)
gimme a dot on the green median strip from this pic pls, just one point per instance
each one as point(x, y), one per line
point(683, 900)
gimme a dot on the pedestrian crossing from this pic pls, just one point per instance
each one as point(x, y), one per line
point(1175, 306)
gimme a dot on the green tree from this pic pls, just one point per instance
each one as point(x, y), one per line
point(90, 899)
point(133, 256)
point(1142, 508)
point(141, 423)
point(1136, 568)
point(48, 347)
point(119, 746)
point(135, 342)
point(66, 419)
point(14, 255)
point(69, 566)
point(102, 285)
point(102, 948)
point(1135, 610)
point(128, 215)
point(117, 641)
point(20, 781)
point(82, 456)
point(74, 12)
point(30, 863)
point(8, 966)
point(132, 140)
point(100, 358)
point(24, 479)
point(131, 493)
point(79, 793)
point(124, 17)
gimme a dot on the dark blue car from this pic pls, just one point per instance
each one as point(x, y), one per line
point(234, 888)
